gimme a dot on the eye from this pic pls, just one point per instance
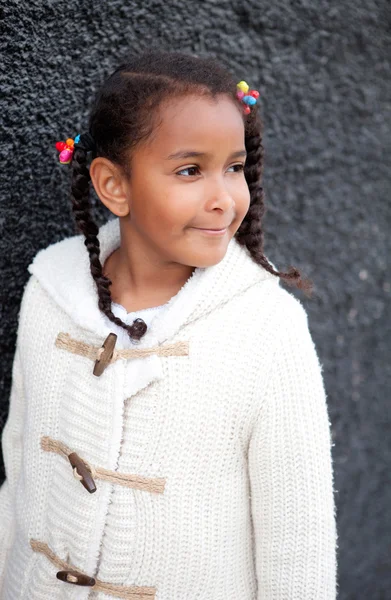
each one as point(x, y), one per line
point(188, 169)
point(240, 167)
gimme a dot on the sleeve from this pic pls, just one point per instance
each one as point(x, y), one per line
point(291, 474)
point(11, 443)
point(12, 439)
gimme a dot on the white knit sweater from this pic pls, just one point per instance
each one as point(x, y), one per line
point(232, 437)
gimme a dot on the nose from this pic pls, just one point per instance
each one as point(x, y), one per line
point(219, 195)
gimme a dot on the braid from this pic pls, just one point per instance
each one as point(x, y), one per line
point(250, 233)
point(82, 211)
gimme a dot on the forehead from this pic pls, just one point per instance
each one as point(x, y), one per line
point(194, 122)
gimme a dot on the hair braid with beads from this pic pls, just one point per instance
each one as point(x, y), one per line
point(120, 118)
point(82, 212)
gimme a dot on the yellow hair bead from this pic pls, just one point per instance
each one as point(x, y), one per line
point(70, 142)
point(243, 86)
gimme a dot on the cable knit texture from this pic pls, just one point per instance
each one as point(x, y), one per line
point(237, 430)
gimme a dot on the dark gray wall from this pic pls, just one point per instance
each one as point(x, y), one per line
point(323, 69)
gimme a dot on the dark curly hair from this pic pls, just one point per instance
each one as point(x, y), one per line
point(123, 114)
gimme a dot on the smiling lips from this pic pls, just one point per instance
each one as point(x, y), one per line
point(213, 228)
point(212, 231)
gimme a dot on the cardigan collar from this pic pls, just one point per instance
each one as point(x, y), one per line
point(63, 270)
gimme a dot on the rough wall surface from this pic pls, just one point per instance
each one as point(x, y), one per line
point(323, 69)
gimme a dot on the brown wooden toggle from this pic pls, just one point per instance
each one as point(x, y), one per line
point(108, 349)
point(75, 577)
point(82, 469)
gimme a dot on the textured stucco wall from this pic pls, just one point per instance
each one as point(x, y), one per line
point(323, 69)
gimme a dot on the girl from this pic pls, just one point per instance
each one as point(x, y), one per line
point(168, 434)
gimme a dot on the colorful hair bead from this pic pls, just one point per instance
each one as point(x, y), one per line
point(247, 96)
point(66, 149)
point(243, 86)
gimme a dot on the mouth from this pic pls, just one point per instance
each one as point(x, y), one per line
point(212, 231)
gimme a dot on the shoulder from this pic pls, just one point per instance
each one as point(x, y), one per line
point(294, 348)
point(31, 290)
point(57, 259)
point(39, 317)
point(290, 308)
point(268, 300)
point(28, 315)
point(32, 301)
point(266, 297)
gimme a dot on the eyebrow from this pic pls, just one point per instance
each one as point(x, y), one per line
point(194, 154)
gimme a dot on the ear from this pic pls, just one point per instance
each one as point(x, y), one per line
point(111, 186)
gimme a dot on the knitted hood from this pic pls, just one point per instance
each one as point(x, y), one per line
point(63, 270)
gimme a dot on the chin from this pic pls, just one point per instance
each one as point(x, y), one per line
point(209, 259)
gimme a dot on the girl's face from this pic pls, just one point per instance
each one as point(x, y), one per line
point(187, 176)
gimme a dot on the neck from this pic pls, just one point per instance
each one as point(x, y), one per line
point(141, 278)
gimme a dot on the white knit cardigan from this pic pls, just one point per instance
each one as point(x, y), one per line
point(213, 467)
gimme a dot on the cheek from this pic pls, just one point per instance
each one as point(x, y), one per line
point(179, 203)
point(168, 207)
